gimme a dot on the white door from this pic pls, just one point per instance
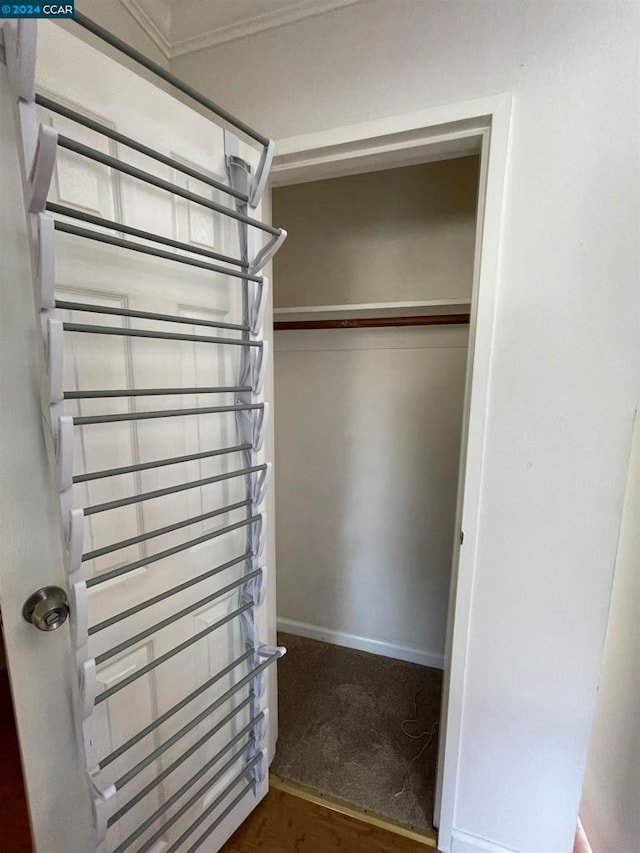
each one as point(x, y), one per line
point(182, 769)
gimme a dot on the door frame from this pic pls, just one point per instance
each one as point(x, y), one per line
point(479, 126)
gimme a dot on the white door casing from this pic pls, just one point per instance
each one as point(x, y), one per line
point(448, 130)
point(93, 273)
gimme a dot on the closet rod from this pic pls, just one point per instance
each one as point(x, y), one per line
point(161, 336)
point(99, 237)
point(154, 392)
point(166, 715)
point(210, 808)
point(202, 715)
point(147, 315)
point(188, 785)
point(161, 531)
point(149, 602)
point(168, 77)
point(182, 758)
point(373, 322)
point(72, 213)
point(110, 133)
point(169, 490)
point(125, 682)
point(159, 463)
point(197, 845)
point(160, 183)
point(197, 795)
point(170, 552)
point(163, 623)
point(164, 413)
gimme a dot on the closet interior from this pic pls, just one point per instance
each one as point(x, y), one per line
point(372, 297)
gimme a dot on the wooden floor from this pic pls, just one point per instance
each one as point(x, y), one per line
point(286, 823)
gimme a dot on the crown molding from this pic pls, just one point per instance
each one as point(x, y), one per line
point(258, 23)
point(149, 25)
point(296, 11)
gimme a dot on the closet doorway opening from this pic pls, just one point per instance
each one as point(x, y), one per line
point(375, 339)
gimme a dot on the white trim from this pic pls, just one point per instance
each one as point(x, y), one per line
point(486, 278)
point(398, 149)
point(465, 115)
point(363, 644)
point(257, 24)
point(372, 145)
point(150, 24)
point(455, 305)
point(210, 37)
point(465, 842)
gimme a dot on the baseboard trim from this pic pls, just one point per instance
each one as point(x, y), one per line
point(363, 644)
point(363, 815)
point(465, 842)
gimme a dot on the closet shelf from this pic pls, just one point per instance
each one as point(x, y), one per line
point(373, 309)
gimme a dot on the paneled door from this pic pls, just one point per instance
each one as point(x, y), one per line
point(155, 380)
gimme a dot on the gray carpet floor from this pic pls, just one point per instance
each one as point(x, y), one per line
point(341, 715)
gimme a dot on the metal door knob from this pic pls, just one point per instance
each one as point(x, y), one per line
point(47, 608)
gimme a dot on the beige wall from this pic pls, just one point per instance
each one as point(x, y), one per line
point(397, 235)
point(368, 421)
point(611, 795)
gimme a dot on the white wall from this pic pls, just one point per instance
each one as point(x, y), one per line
point(610, 807)
point(565, 358)
point(367, 427)
point(368, 421)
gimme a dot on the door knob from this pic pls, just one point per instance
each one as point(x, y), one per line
point(47, 608)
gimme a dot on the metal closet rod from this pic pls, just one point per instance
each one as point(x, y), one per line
point(373, 322)
point(224, 814)
point(160, 183)
point(174, 590)
point(170, 552)
point(161, 336)
point(61, 109)
point(169, 620)
point(168, 77)
point(195, 721)
point(246, 730)
point(194, 799)
point(160, 531)
point(188, 785)
point(154, 392)
point(98, 237)
point(164, 413)
point(166, 715)
point(170, 490)
point(181, 647)
point(63, 210)
point(147, 315)
point(187, 754)
point(159, 463)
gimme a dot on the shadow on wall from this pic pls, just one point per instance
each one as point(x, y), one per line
point(394, 235)
point(368, 421)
